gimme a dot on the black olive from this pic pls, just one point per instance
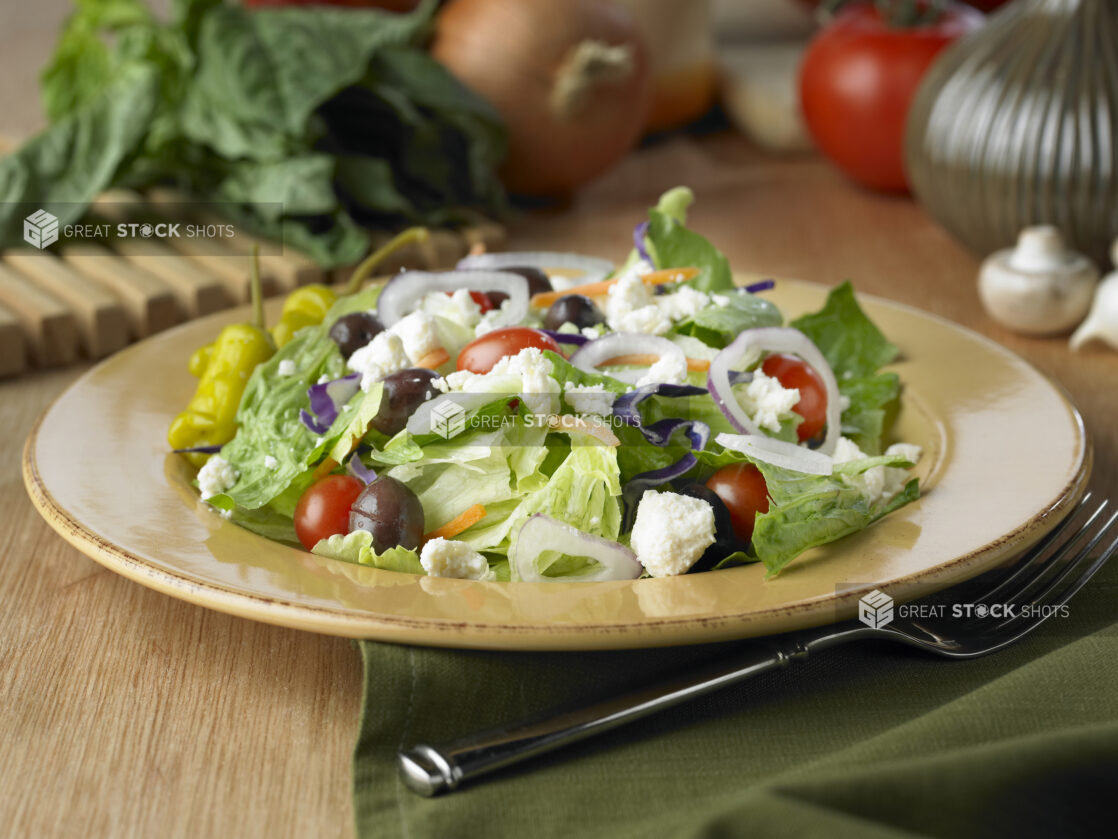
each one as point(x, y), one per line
point(725, 540)
point(573, 308)
point(538, 283)
point(390, 512)
point(353, 331)
point(404, 391)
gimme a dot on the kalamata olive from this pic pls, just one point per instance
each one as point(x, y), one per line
point(390, 512)
point(725, 540)
point(353, 331)
point(538, 283)
point(404, 391)
point(573, 308)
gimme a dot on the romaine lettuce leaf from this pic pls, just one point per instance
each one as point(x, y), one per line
point(717, 326)
point(673, 245)
point(584, 491)
point(808, 510)
point(855, 349)
point(357, 547)
point(480, 467)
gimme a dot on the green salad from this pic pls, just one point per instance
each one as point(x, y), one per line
point(553, 417)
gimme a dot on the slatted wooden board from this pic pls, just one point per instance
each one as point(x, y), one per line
point(86, 300)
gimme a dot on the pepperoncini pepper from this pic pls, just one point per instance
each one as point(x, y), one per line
point(223, 369)
point(306, 306)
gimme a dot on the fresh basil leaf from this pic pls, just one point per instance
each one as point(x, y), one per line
point(80, 155)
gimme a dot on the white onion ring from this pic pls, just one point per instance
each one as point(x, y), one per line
point(403, 291)
point(543, 533)
point(615, 344)
point(773, 339)
point(779, 453)
point(593, 269)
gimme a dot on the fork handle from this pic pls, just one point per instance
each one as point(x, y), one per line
point(433, 770)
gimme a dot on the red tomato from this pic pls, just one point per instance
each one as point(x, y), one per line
point(742, 489)
point(857, 80)
point(482, 353)
point(791, 372)
point(323, 508)
point(479, 297)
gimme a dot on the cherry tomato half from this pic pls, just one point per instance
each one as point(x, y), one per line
point(741, 486)
point(323, 508)
point(791, 372)
point(482, 353)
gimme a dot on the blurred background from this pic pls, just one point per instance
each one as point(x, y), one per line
point(330, 126)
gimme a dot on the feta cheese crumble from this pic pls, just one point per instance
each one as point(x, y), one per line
point(270, 462)
point(633, 306)
point(881, 483)
point(446, 558)
point(380, 357)
point(527, 373)
point(683, 303)
point(588, 399)
point(216, 476)
point(458, 307)
point(671, 532)
point(491, 319)
point(287, 367)
point(767, 401)
point(419, 334)
point(667, 370)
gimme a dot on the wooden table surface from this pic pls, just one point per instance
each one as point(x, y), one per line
point(127, 713)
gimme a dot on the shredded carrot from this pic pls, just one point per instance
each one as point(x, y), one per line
point(694, 365)
point(664, 275)
point(468, 518)
point(325, 468)
point(435, 359)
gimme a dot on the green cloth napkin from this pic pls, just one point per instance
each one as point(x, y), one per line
point(870, 740)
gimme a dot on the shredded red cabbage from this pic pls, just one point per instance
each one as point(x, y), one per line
point(566, 337)
point(359, 470)
point(639, 232)
point(327, 399)
point(762, 285)
point(625, 406)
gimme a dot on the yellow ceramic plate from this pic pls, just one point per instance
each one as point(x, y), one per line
point(1005, 458)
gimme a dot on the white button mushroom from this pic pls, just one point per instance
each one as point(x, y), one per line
point(1102, 322)
point(1040, 287)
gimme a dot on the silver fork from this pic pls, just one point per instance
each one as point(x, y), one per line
point(1037, 586)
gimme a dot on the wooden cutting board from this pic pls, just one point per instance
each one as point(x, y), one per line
point(91, 299)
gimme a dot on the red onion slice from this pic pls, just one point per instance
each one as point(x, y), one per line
point(543, 533)
point(593, 269)
point(772, 339)
point(615, 344)
point(779, 453)
point(406, 289)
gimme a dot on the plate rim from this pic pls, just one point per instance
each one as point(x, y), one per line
point(451, 633)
